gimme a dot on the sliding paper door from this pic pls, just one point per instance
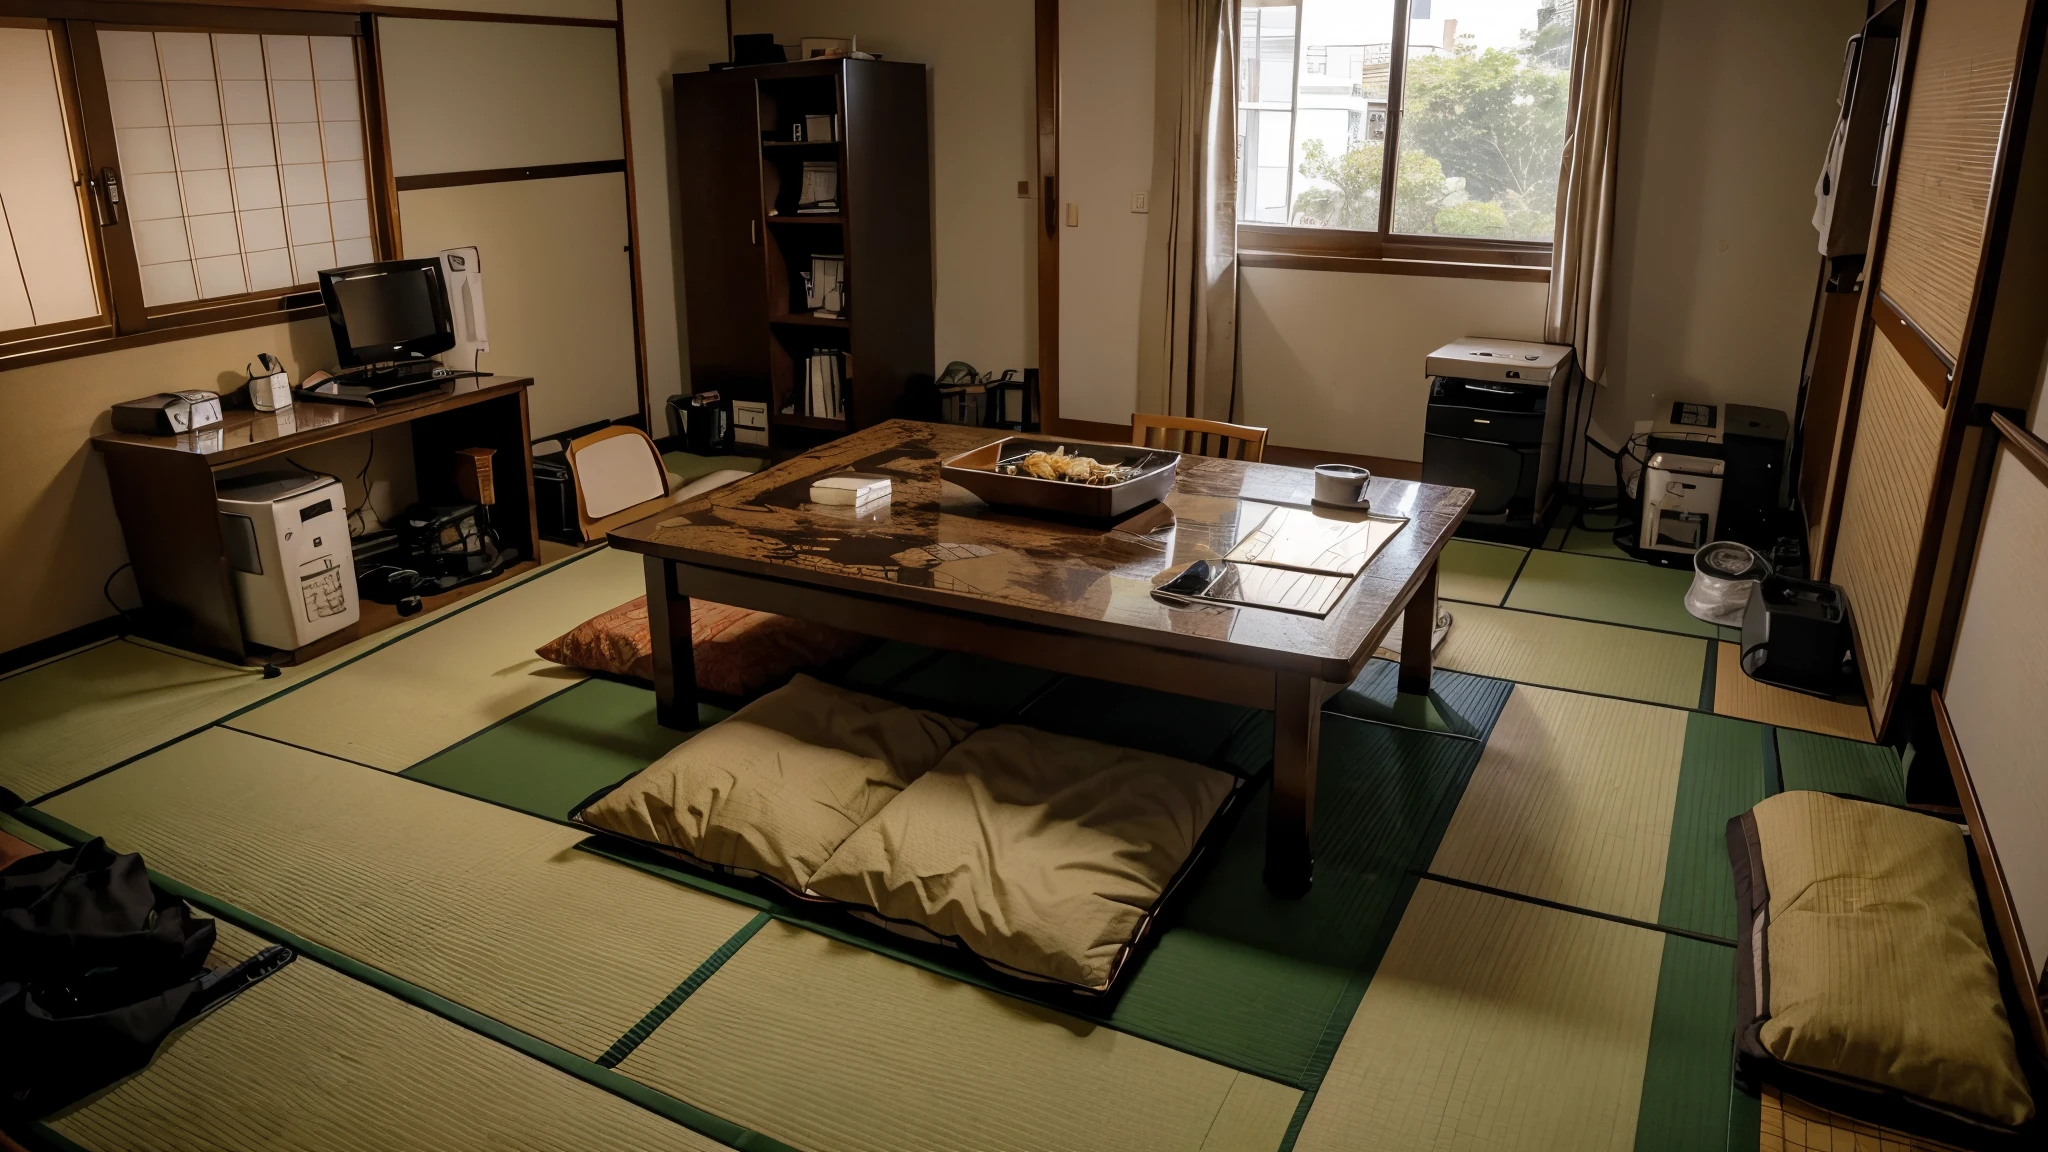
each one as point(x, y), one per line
point(509, 137)
point(1919, 370)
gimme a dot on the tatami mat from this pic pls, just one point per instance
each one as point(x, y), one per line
point(1572, 802)
point(833, 1048)
point(1735, 694)
point(1493, 1023)
point(551, 757)
point(65, 719)
point(1790, 1124)
point(1457, 703)
point(404, 703)
point(1723, 777)
point(487, 907)
point(1689, 1101)
point(691, 467)
point(1818, 763)
point(314, 1061)
point(1477, 571)
point(1580, 655)
point(1222, 735)
point(1597, 540)
point(1618, 592)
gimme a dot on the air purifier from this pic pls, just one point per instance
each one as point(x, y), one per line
point(289, 553)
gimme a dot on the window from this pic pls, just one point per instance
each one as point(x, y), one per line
point(177, 175)
point(1470, 96)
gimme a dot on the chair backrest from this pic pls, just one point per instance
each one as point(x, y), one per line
point(1198, 437)
point(615, 469)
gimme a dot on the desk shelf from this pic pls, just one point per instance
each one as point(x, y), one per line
point(164, 493)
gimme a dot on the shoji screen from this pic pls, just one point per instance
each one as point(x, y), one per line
point(1997, 682)
point(1929, 266)
point(46, 276)
point(509, 136)
point(242, 158)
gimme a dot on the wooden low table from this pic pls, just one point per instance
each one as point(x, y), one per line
point(943, 569)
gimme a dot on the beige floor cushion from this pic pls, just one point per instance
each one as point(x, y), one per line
point(1044, 855)
point(1866, 963)
point(777, 786)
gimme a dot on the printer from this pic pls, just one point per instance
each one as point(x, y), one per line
point(1496, 425)
point(289, 553)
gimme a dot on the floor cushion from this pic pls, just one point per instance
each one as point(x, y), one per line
point(1865, 980)
point(1044, 855)
point(738, 651)
point(776, 787)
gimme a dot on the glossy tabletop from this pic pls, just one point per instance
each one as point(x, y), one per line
point(935, 544)
point(245, 433)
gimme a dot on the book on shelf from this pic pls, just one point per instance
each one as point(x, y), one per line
point(819, 192)
point(825, 287)
point(825, 384)
point(821, 129)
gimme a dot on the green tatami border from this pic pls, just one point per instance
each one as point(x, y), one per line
point(660, 1103)
point(222, 721)
point(638, 1033)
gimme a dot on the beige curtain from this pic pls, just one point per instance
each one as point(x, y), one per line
point(1576, 313)
point(1187, 352)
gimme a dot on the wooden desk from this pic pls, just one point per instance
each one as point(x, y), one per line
point(164, 491)
point(943, 569)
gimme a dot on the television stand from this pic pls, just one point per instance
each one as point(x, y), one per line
point(381, 384)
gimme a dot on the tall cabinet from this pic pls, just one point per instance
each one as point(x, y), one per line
point(744, 138)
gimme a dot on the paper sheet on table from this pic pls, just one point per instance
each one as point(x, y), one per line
point(1300, 539)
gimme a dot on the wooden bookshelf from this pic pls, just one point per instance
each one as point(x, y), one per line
point(746, 248)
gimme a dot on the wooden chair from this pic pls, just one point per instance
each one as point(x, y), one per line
point(1198, 437)
point(617, 470)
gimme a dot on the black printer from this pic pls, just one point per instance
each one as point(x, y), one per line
point(1496, 426)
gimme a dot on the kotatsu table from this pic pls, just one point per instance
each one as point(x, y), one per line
point(940, 568)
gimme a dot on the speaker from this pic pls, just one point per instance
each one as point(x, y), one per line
point(1795, 634)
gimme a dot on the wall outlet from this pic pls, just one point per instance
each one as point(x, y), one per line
point(1023, 189)
point(1073, 215)
point(1141, 202)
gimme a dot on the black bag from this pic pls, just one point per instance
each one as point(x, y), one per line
point(97, 967)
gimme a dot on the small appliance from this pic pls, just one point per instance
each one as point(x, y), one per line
point(452, 544)
point(1496, 425)
point(270, 386)
point(1681, 502)
point(1723, 574)
point(702, 421)
point(290, 557)
point(1795, 634)
point(168, 413)
point(1752, 441)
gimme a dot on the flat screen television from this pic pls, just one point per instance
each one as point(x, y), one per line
point(396, 310)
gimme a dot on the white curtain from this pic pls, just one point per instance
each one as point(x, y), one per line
point(1576, 313)
point(1187, 354)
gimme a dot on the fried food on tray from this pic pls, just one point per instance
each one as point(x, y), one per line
point(1077, 469)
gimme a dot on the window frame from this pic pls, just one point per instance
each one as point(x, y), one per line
point(124, 320)
point(1266, 245)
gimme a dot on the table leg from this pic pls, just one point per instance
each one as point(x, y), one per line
point(1290, 820)
point(675, 665)
point(1418, 627)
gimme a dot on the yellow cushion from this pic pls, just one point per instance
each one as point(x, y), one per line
point(777, 786)
point(1878, 967)
point(1042, 853)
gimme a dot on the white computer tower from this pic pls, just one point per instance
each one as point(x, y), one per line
point(288, 549)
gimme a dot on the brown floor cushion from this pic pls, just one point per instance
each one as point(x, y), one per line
point(738, 651)
point(775, 788)
point(1865, 980)
point(1044, 855)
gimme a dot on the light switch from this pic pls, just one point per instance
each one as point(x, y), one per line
point(1023, 189)
point(1141, 202)
point(1073, 215)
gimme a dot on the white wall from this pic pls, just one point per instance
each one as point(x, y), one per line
point(1106, 123)
point(980, 56)
point(1334, 360)
point(1727, 107)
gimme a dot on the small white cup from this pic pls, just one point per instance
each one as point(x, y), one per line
point(1342, 485)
